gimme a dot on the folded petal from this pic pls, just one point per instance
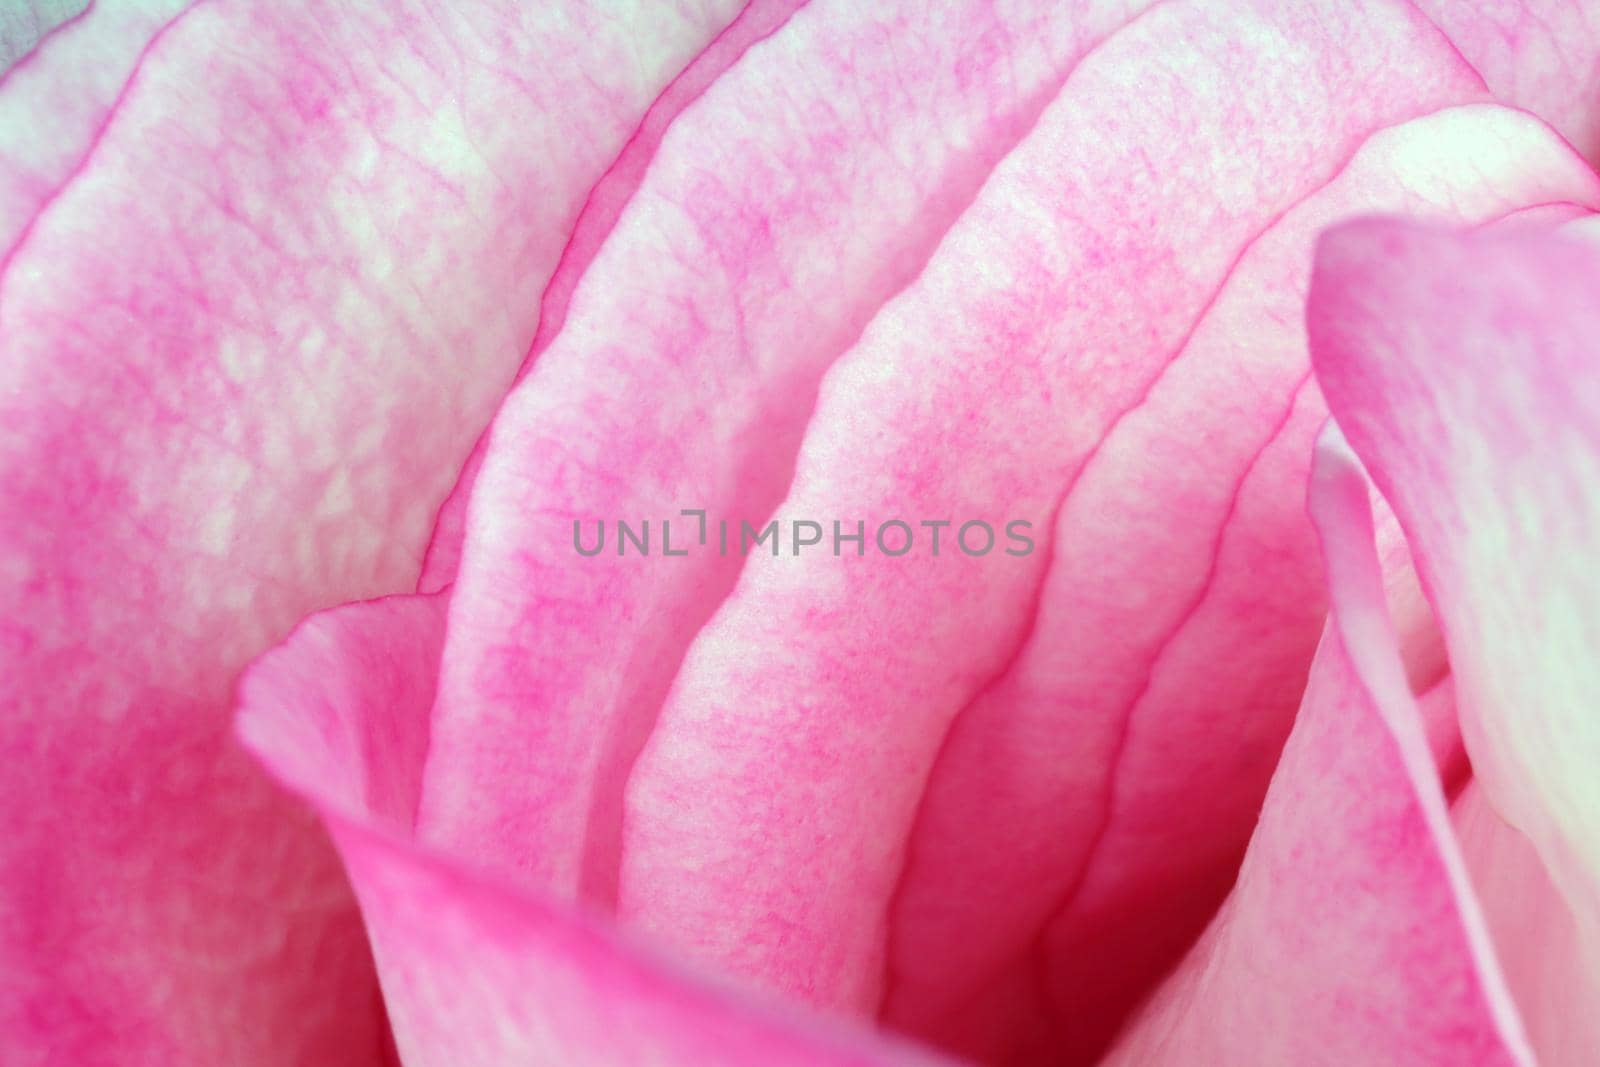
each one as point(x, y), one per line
point(472, 972)
point(1462, 368)
point(604, 206)
point(1144, 711)
point(767, 820)
point(1352, 935)
point(1551, 959)
point(248, 337)
point(807, 185)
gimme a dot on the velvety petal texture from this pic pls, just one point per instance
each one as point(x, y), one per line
point(251, 324)
point(473, 972)
point(1462, 367)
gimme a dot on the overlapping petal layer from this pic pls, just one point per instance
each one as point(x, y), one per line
point(1352, 935)
point(1462, 368)
point(58, 99)
point(1143, 714)
point(255, 308)
point(808, 185)
point(253, 321)
point(1551, 959)
point(809, 711)
point(601, 210)
point(475, 973)
point(1543, 55)
point(544, 699)
point(24, 23)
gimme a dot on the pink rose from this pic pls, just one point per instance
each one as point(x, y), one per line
point(403, 305)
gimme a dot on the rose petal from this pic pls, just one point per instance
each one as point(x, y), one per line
point(1543, 55)
point(474, 973)
point(767, 820)
point(74, 76)
point(1462, 367)
point(809, 183)
point(1142, 716)
point(25, 23)
point(1352, 935)
point(1551, 959)
point(601, 210)
point(246, 347)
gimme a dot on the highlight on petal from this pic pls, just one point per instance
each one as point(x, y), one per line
point(473, 972)
point(247, 335)
point(1542, 55)
point(1462, 368)
point(1551, 957)
point(55, 102)
point(1352, 935)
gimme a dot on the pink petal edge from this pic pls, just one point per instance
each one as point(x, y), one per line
point(475, 972)
point(1353, 934)
point(1462, 367)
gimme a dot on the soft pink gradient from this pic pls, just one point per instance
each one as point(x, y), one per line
point(1542, 55)
point(1144, 711)
point(730, 341)
point(474, 971)
point(1462, 367)
point(256, 301)
point(809, 713)
point(25, 23)
point(313, 303)
point(1351, 935)
point(730, 284)
point(601, 211)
